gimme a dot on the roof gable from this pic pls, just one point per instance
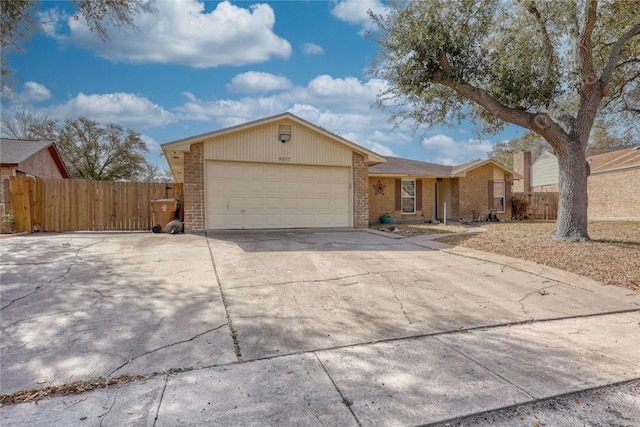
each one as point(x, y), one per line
point(13, 152)
point(184, 144)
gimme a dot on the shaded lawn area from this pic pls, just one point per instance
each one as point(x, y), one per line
point(611, 257)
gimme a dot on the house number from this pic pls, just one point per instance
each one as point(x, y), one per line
point(284, 159)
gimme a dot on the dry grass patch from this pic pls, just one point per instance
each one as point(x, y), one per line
point(611, 257)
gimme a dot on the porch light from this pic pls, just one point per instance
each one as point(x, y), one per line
point(284, 137)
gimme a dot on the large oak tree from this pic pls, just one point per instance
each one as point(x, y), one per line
point(548, 66)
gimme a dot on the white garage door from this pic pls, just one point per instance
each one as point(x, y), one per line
point(256, 195)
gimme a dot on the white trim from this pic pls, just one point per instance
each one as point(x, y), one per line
point(403, 197)
point(504, 196)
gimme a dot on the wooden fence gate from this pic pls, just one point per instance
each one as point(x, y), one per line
point(83, 205)
point(542, 205)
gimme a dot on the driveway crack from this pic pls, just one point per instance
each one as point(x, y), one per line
point(395, 296)
point(60, 277)
point(37, 288)
point(113, 402)
point(146, 353)
point(164, 388)
point(541, 291)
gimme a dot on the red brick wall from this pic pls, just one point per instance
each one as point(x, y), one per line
point(474, 194)
point(614, 195)
point(522, 165)
point(380, 204)
point(360, 191)
point(194, 188)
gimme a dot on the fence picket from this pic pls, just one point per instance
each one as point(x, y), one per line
point(542, 205)
point(82, 205)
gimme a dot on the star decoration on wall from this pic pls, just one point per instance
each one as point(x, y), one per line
point(379, 188)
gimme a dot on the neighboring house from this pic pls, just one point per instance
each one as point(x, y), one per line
point(613, 185)
point(545, 173)
point(25, 157)
point(413, 190)
point(284, 172)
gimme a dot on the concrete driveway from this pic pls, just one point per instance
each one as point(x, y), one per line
point(298, 327)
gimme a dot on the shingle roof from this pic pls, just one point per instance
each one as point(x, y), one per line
point(15, 151)
point(407, 167)
point(399, 166)
point(615, 160)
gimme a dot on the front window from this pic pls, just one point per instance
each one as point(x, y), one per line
point(408, 197)
point(498, 196)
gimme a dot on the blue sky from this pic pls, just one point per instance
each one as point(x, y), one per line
point(193, 67)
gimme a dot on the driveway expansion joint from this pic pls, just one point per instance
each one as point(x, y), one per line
point(525, 391)
point(344, 399)
point(223, 297)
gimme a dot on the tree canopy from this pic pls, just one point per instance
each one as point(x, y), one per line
point(17, 21)
point(104, 152)
point(549, 67)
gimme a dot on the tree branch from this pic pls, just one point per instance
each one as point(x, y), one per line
point(585, 47)
point(546, 42)
point(614, 53)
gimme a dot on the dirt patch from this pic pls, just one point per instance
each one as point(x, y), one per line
point(409, 230)
point(611, 257)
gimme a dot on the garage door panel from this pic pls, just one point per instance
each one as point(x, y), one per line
point(235, 170)
point(248, 195)
point(255, 188)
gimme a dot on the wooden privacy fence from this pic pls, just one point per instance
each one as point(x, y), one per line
point(543, 205)
point(83, 205)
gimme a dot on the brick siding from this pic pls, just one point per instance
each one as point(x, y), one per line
point(380, 204)
point(614, 195)
point(474, 195)
point(194, 188)
point(522, 166)
point(360, 191)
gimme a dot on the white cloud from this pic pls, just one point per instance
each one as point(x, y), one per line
point(51, 21)
point(356, 12)
point(125, 109)
point(340, 105)
point(32, 92)
point(445, 150)
point(36, 92)
point(312, 49)
point(229, 112)
point(181, 32)
point(152, 144)
point(346, 94)
point(257, 82)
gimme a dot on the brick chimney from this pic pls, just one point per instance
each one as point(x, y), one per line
point(522, 166)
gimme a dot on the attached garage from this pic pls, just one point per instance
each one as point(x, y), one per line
point(278, 172)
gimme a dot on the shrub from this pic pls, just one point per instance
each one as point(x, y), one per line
point(519, 208)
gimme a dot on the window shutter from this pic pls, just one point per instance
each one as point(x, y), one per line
point(507, 195)
point(491, 200)
point(398, 194)
point(418, 194)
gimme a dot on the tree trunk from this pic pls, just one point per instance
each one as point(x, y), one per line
point(572, 207)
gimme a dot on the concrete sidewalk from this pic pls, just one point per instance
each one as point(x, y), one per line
point(402, 382)
point(300, 328)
